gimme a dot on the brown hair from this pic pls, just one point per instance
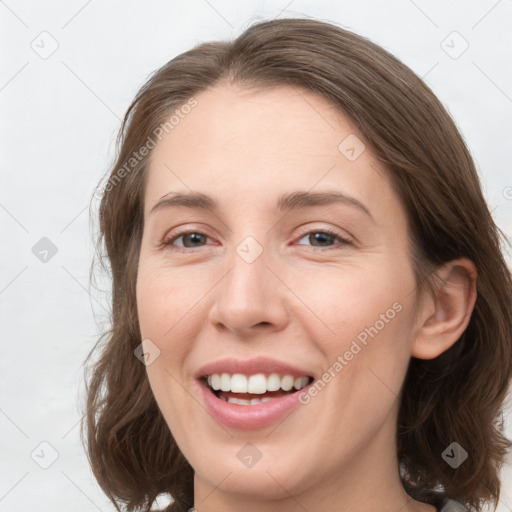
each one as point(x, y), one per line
point(457, 396)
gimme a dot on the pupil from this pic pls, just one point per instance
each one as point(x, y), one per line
point(195, 237)
point(322, 237)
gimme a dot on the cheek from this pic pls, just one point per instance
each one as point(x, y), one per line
point(167, 301)
point(171, 315)
point(166, 317)
point(353, 297)
point(368, 312)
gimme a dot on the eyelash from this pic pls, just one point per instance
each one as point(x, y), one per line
point(167, 243)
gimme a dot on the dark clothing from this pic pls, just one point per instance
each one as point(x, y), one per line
point(438, 499)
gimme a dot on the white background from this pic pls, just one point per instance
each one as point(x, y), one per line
point(60, 115)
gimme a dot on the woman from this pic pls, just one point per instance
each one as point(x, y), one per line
point(311, 310)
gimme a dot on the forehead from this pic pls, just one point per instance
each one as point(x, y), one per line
point(282, 120)
point(238, 142)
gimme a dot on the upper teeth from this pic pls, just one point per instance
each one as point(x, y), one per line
point(258, 384)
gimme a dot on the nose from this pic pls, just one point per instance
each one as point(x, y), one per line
point(249, 299)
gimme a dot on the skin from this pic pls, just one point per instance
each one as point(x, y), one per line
point(300, 301)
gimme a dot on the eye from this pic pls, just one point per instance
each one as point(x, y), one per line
point(324, 238)
point(190, 239)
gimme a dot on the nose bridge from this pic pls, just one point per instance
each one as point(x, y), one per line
point(247, 295)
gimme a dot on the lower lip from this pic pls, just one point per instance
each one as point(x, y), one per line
point(249, 417)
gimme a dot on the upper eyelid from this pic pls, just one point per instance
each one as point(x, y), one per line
point(203, 231)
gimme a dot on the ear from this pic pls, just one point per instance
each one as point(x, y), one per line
point(444, 316)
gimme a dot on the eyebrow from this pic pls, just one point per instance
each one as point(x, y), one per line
point(286, 202)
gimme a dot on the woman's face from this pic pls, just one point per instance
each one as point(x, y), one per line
point(257, 287)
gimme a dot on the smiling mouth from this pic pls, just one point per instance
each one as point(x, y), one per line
point(254, 389)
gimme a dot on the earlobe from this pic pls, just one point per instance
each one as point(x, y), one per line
point(446, 315)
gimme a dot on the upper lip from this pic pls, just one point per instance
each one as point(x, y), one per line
point(251, 367)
